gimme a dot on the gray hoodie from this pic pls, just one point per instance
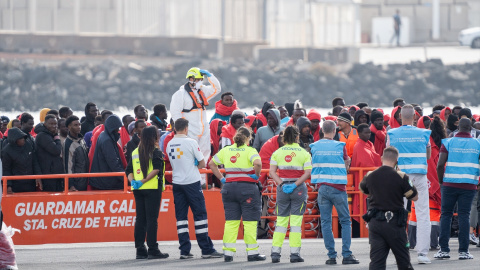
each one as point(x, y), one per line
point(266, 132)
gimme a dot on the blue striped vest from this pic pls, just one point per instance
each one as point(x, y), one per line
point(462, 163)
point(328, 163)
point(411, 143)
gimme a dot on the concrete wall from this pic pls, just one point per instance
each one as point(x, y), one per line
point(332, 56)
point(455, 15)
point(91, 44)
point(281, 23)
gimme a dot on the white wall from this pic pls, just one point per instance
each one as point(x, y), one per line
point(382, 31)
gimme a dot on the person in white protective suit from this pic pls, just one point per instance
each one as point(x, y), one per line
point(190, 102)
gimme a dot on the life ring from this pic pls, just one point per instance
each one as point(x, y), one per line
point(310, 219)
point(271, 203)
point(271, 211)
point(311, 234)
point(310, 226)
point(311, 211)
point(312, 196)
point(311, 204)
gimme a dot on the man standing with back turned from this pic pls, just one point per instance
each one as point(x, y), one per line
point(413, 146)
point(386, 216)
point(190, 102)
point(330, 164)
point(186, 158)
point(459, 180)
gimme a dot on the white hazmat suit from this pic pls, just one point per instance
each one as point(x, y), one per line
point(198, 126)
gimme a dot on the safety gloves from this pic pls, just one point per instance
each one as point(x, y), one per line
point(288, 188)
point(205, 73)
point(136, 184)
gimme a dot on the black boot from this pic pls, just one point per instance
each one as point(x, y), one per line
point(275, 257)
point(154, 253)
point(142, 253)
point(256, 257)
point(296, 258)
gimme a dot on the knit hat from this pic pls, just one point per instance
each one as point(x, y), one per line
point(302, 121)
point(345, 117)
point(375, 115)
point(131, 126)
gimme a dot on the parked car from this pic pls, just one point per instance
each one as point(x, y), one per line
point(470, 37)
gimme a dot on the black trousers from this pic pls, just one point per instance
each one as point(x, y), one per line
point(147, 203)
point(383, 237)
point(52, 185)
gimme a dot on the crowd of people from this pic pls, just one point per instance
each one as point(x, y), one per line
point(101, 141)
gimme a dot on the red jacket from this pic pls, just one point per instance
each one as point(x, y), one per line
point(168, 166)
point(393, 122)
point(364, 155)
point(270, 146)
point(380, 137)
point(228, 131)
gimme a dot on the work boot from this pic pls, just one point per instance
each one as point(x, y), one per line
point(331, 261)
point(275, 257)
point(214, 254)
point(156, 254)
point(227, 258)
point(256, 257)
point(142, 253)
point(296, 258)
point(350, 260)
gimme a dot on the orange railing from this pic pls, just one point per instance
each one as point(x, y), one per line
point(66, 177)
point(350, 191)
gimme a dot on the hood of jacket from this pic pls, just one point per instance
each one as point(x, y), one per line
point(392, 122)
point(302, 121)
point(421, 123)
point(276, 114)
point(40, 127)
point(14, 134)
point(266, 107)
point(112, 123)
point(442, 113)
point(359, 113)
point(43, 113)
point(451, 122)
point(314, 115)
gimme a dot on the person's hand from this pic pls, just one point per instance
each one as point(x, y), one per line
point(205, 72)
point(56, 137)
point(136, 184)
point(253, 176)
point(196, 162)
point(223, 180)
point(39, 184)
point(9, 190)
point(288, 188)
point(133, 183)
point(72, 188)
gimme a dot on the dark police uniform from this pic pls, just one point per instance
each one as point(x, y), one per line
point(386, 216)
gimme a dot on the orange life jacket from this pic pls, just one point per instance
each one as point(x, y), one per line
point(197, 104)
point(350, 141)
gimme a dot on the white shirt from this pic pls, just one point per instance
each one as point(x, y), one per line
point(182, 152)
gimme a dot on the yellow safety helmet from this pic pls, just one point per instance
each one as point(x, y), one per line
point(195, 73)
